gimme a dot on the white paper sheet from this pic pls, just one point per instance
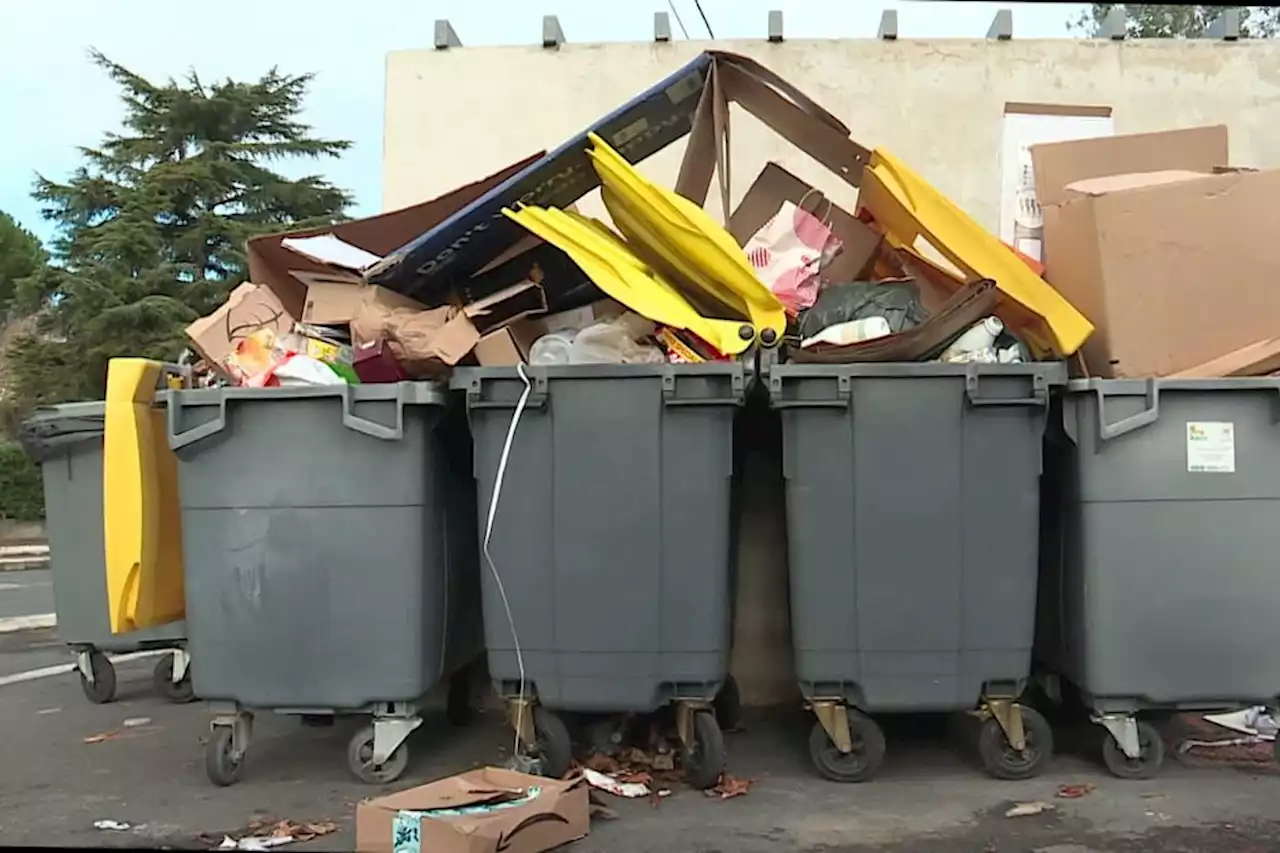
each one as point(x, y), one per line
point(328, 249)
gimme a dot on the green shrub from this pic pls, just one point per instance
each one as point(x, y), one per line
point(21, 488)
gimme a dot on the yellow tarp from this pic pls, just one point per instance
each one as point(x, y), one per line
point(680, 240)
point(907, 207)
point(141, 514)
point(616, 270)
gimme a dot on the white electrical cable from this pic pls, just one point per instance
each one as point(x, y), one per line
point(488, 532)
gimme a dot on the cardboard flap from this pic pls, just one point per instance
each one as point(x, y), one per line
point(271, 263)
point(1121, 183)
point(1058, 164)
point(781, 107)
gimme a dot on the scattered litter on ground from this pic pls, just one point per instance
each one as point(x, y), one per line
point(1029, 809)
point(43, 711)
point(610, 785)
point(112, 825)
point(263, 835)
point(1256, 722)
point(135, 722)
point(729, 787)
point(1075, 792)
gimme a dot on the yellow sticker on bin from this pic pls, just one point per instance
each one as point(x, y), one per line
point(680, 240)
point(615, 269)
point(907, 207)
point(142, 525)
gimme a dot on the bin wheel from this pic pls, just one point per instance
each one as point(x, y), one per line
point(704, 761)
point(103, 687)
point(1148, 762)
point(857, 766)
point(728, 705)
point(223, 769)
point(457, 707)
point(555, 747)
point(179, 693)
point(360, 759)
point(1002, 761)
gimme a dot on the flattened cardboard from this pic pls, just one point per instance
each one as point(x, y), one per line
point(559, 814)
point(423, 342)
point(1057, 164)
point(520, 300)
point(270, 263)
point(1174, 270)
point(764, 199)
point(1261, 358)
point(250, 307)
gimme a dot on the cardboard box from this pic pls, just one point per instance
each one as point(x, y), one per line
point(250, 307)
point(1261, 358)
point(1175, 268)
point(481, 811)
point(333, 303)
point(775, 185)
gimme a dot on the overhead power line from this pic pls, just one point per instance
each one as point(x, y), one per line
point(705, 22)
point(683, 31)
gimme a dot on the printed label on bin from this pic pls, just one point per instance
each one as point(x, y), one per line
point(1211, 447)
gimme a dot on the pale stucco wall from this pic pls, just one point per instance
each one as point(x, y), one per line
point(455, 115)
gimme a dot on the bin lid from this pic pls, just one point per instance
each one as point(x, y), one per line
point(53, 430)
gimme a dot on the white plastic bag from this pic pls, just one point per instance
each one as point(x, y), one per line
point(612, 343)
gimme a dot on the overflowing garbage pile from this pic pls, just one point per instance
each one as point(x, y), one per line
point(507, 271)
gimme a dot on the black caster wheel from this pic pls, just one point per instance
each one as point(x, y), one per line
point(1148, 762)
point(704, 761)
point(728, 705)
point(1002, 761)
point(102, 689)
point(221, 766)
point(360, 759)
point(554, 745)
point(180, 692)
point(857, 766)
point(457, 707)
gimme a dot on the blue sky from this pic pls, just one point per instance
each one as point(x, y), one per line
point(55, 99)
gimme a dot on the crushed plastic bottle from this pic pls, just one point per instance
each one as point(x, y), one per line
point(551, 349)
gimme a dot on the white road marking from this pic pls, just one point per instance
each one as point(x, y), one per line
point(49, 671)
point(4, 586)
point(10, 624)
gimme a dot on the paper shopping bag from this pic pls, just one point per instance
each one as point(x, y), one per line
point(788, 253)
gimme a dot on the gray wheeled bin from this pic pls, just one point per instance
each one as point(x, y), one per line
point(67, 441)
point(1160, 577)
point(331, 565)
point(912, 496)
point(610, 545)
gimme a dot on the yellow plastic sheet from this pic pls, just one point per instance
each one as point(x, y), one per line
point(141, 514)
point(616, 270)
point(681, 241)
point(907, 207)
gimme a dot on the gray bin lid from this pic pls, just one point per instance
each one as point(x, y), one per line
point(54, 430)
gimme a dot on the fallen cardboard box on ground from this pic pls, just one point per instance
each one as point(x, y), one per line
point(480, 811)
point(1174, 267)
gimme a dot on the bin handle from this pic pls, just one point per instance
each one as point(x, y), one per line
point(1039, 391)
point(537, 397)
point(841, 400)
point(181, 438)
point(737, 393)
point(1148, 416)
point(352, 421)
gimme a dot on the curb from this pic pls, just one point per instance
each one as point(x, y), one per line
point(23, 564)
point(33, 622)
